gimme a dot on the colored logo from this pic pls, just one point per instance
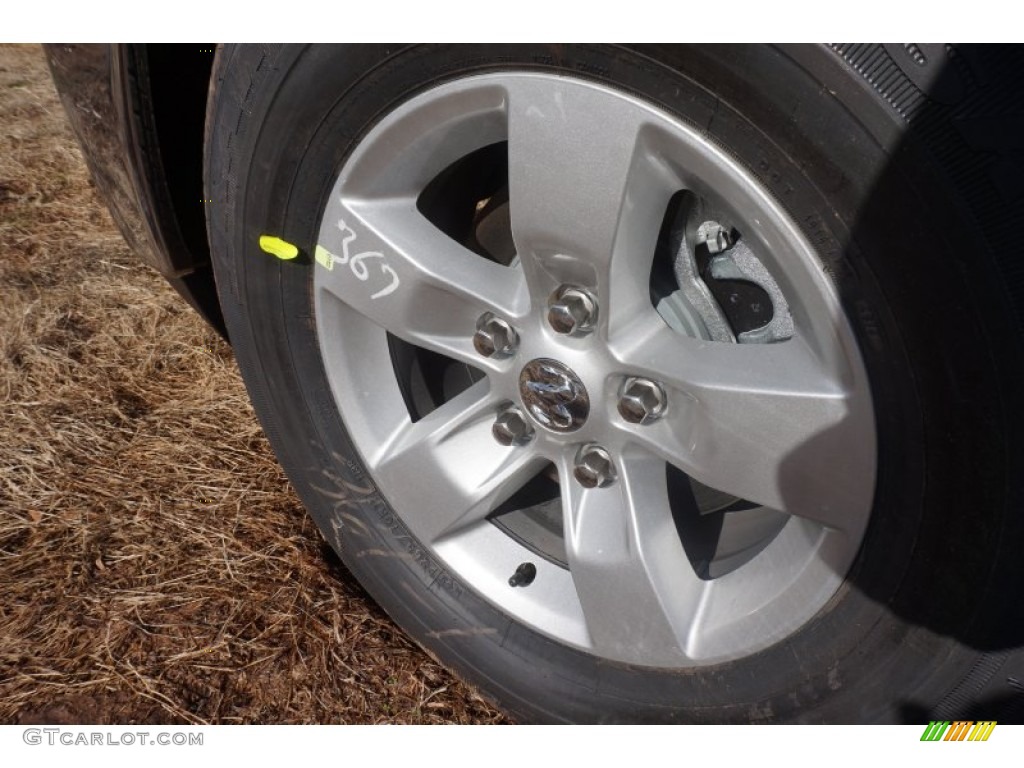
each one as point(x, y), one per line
point(958, 730)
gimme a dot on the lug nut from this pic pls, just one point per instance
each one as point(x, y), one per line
point(494, 337)
point(572, 311)
point(642, 401)
point(594, 467)
point(512, 428)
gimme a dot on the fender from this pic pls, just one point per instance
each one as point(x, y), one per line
point(138, 113)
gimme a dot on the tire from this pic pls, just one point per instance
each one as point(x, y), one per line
point(839, 223)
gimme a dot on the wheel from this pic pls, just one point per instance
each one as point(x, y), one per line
point(645, 384)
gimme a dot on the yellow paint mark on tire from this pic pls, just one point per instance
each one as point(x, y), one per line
point(275, 246)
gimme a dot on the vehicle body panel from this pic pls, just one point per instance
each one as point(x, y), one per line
point(146, 158)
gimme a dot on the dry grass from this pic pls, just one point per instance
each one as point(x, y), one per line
point(156, 565)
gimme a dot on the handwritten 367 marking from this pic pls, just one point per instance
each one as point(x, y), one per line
point(357, 262)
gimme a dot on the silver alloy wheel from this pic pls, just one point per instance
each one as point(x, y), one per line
point(787, 426)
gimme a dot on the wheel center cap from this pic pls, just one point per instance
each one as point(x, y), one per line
point(554, 395)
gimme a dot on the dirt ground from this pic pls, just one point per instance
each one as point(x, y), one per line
point(156, 565)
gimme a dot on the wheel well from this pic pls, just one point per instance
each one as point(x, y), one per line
point(177, 83)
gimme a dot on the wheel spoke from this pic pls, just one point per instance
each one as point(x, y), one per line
point(638, 591)
point(764, 422)
point(449, 466)
point(414, 281)
point(586, 200)
point(420, 141)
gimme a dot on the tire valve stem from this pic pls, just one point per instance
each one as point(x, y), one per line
point(524, 575)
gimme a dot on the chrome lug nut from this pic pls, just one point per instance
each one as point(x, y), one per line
point(494, 337)
point(512, 428)
point(642, 401)
point(572, 311)
point(594, 467)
